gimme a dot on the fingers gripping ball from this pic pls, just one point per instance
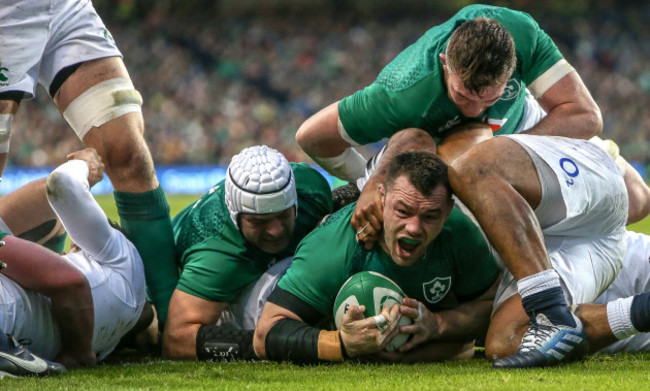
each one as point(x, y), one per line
point(374, 291)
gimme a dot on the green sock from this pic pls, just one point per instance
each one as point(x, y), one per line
point(145, 218)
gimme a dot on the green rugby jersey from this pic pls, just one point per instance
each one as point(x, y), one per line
point(411, 92)
point(216, 262)
point(458, 265)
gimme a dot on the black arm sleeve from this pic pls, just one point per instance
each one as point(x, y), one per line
point(293, 340)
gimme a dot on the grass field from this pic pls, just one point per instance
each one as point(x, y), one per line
point(132, 370)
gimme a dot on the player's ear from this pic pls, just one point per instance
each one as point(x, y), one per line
point(443, 58)
point(382, 192)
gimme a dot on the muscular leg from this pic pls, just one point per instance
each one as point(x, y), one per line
point(502, 190)
point(638, 195)
point(141, 202)
point(497, 180)
point(462, 140)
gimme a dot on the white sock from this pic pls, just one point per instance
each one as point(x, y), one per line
point(618, 316)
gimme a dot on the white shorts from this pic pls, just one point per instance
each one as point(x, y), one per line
point(633, 279)
point(245, 311)
point(585, 245)
point(41, 37)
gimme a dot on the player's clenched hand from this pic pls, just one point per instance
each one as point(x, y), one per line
point(368, 218)
point(361, 335)
point(95, 165)
point(424, 326)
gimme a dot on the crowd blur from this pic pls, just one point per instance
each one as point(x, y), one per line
point(216, 80)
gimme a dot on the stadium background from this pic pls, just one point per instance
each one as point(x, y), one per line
point(217, 76)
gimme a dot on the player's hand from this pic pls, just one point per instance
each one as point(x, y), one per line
point(94, 162)
point(368, 216)
point(424, 327)
point(361, 335)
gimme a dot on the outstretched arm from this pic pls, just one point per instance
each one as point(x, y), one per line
point(319, 137)
point(68, 192)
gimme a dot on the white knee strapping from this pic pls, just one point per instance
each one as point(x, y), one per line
point(5, 131)
point(101, 103)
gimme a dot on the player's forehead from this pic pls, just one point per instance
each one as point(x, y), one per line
point(403, 194)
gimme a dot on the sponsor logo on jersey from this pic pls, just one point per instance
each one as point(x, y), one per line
point(436, 289)
point(3, 77)
point(107, 35)
point(512, 90)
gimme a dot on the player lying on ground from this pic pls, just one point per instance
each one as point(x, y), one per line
point(430, 249)
point(232, 247)
point(73, 308)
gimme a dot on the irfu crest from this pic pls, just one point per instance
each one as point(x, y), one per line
point(436, 289)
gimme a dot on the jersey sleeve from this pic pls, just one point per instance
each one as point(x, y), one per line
point(214, 275)
point(314, 193)
point(540, 61)
point(477, 269)
point(68, 192)
point(377, 112)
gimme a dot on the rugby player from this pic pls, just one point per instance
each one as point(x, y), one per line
point(486, 63)
point(73, 308)
point(64, 46)
point(232, 245)
point(433, 251)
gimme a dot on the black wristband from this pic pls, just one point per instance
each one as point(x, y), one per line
point(343, 351)
point(224, 343)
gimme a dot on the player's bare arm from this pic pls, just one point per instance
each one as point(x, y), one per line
point(572, 112)
point(187, 313)
point(41, 270)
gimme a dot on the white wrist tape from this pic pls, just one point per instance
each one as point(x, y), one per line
point(349, 165)
point(101, 103)
point(5, 131)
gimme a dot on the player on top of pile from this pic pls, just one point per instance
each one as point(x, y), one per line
point(232, 245)
point(487, 64)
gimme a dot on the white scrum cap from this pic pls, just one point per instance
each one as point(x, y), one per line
point(259, 180)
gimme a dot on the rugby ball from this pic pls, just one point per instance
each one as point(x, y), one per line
point(375, 291)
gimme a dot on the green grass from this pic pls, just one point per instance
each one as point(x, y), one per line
point(131, 370)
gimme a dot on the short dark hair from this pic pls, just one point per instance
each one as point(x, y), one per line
point(482, 53)
point(423, 169)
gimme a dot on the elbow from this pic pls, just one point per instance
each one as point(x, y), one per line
point(306, 138)
point(175, 346)
point(595, 118)
point(259, 340)
point(71, 286)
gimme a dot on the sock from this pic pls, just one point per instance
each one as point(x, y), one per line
point(145, 218)
point(620, 319)
point(5, 342)
point(542, 293)
point(640, 312)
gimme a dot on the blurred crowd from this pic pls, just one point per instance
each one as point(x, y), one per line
point(213, 84)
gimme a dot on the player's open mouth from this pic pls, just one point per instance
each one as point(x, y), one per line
point(408, 245)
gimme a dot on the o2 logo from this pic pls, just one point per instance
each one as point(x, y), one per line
point(570, 168)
